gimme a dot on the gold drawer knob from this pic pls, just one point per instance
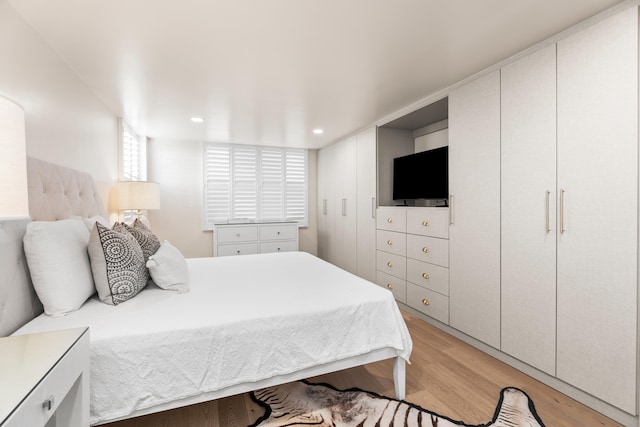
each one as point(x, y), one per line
point(426, 250)
point(425, 275)
point(389, 285)
point(389, 264)
point(425, 223)
point(425, 301)
point(389, 220)
point(389, 242)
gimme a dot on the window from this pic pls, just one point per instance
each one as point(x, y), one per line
point(245, 182)
point(133, 160)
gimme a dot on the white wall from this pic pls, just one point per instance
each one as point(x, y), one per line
point(177, 166)
point(65, 122)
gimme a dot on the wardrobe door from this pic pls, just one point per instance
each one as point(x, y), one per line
point(324, 229)
point(366, 193)
point(528, 192)
point(345, 205)
point(474, 186)
point(598, 212)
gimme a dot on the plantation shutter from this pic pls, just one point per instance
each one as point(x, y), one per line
point(245, 182)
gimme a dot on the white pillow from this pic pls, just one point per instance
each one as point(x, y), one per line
point(168, 268)
point(58, 261)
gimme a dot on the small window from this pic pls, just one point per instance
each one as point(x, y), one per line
point(243, 182)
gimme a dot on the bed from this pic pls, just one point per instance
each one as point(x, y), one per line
point(246, 323)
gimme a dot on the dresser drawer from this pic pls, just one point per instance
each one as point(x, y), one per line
point(392, 219)
point(391, 241)
point(395, 265)
point(278, 232)
point(283, 246)
point(428, 249)
point(428, 276)
point(237, 249)
point(428, 302)
point(428, 222)
point(397, 286)
point(237, 234)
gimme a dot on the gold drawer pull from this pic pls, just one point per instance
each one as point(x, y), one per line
point(425, 301)
point(389, 285)
point(389, 264)
point(426, 250)
point(425, 275)
point(389, 220)
point(389, 242)
point(425, 223)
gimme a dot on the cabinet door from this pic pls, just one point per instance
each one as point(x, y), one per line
point(323, 203)
point(528, 133)
point(598, 180)
point(344, 237)
point(366, 193)
point(474, 185)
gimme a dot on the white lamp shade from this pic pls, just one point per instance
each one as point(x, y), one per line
point(138, 195)
point(14, 201)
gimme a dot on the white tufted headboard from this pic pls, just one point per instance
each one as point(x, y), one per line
point(55, 193)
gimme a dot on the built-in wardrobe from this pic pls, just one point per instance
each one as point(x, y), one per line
point(543, 230)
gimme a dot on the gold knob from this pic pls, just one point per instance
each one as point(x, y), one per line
point(425, 223)
point(389, 242)
point(389, 264)
point(425, 250)
point(389, 285)
point(425, 301)
point(389, 220)
point(425, 275)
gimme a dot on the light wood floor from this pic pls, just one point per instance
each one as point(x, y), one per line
point(446, 376)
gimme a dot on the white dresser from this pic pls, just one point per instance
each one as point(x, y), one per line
point(412, 257)
point(254, 238)
point(44, 379)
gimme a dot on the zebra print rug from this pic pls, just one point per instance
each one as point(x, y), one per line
point(302, 404)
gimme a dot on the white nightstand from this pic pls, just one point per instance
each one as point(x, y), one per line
point(44, 379)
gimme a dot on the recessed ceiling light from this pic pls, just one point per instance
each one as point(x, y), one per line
point(318, 131)
point(197, 119)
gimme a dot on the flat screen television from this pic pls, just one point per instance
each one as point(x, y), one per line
point(423, 175)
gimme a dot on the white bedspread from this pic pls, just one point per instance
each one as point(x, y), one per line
point(245, 319)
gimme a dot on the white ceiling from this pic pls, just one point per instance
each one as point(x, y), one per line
point(270, 71)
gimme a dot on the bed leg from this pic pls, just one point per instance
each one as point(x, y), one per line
point(399, 377)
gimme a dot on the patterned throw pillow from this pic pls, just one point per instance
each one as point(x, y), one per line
point(148, 241)
point(117, 263)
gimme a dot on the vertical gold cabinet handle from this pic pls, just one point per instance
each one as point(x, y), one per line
point(324, 206)
point(562, 229)
point(450, 209)
point(373, 207)
point(547, 213)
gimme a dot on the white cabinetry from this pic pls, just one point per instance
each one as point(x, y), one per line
point(528, 208)
point(346, 202)
point(474, 185)
point(413, 257)
point(598, 224)
point(254, 238)
point(45, 379)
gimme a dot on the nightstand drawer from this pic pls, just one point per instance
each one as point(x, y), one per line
point(428, 276)
point(237, 234)
point(278, 232)
point(397, 286)
point(284, 246)
point(392, 219)
point(430, 303)
point(392, 242)
point(395, 265)
point(428, 222)
point(428, 249)
point(238, 249)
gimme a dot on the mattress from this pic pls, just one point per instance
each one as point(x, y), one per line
point(245, 319)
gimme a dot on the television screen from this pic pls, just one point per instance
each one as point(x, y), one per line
point(422, 175)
